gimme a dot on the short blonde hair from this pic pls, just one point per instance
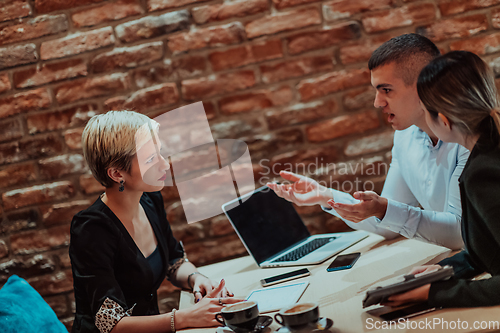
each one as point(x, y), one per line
point(111, 140)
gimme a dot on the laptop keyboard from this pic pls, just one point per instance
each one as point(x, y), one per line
point(305, 249)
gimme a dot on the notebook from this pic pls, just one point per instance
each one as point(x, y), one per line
point(274, 234)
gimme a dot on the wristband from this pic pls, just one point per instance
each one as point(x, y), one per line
point(172, 320)
point(189, 278)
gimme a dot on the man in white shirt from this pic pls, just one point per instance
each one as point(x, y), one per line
point(424, 170)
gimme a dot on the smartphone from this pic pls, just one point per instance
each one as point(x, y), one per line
point(344, 261)
point(285, 277)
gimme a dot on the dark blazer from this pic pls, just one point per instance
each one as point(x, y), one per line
point(106, 262)
point(480, 194)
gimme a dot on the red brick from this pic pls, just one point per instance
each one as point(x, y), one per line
point(369, 144)
point(479, 45)
point(332, 82)
point(220, 226)
point(171, 69)
point(207, 37)
point(17, 174)
point(37, 194)
point(495, 18)
point(53, 284)
point(46, 6)
point(90, 185)
point(106, 13)
point(197, 89)
point(359, 98)
point(13, 9)
point(17, 55)
point(4, 250)
point(24, 102)
point(52, 121)
point(30, 148)
point(48, 73)
point(189, 232)
point(323, 38)
point(62, 213)
point(226, 10)
point(56, 167)
point(342, 126)
point(73, 138)
point(236, 129)
point(20, 220)
point(152, 26)
point(127, 57)
point(244, 55)
point(460, 27)
point(451, 7)
point(91, 87)
point(256, 100)
point(361, 51)
point(168, 4)
point(398, 17)
point(157, 96)
point(265, 145)
point(296, 67)
point(36, 265)
point(76, 43)
point(301, 113)
point(58, 304)
point(283, 21)
point(341, 9)
point(304, 161)
point(279, 4)
point(4, 83)
point(12, 129)
point(33, 28)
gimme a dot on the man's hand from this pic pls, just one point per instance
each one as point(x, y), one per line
point(371, 205)
point(303, 191)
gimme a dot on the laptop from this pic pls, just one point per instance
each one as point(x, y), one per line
point(275, 235)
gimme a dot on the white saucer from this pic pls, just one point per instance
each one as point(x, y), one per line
point(322, 325)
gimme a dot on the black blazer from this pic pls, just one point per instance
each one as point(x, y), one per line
point(106, 262)
point(480, 193)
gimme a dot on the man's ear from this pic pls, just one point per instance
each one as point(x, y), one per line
point(115, 174)
point(446, 122)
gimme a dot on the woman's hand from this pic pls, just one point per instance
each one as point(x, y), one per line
point(202, 314)
point(419, 294)
point(424, 269)
point(204, 287)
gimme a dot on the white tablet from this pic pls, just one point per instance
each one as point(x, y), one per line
point(275, 298)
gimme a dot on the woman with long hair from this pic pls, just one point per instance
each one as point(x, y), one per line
point(460, 98)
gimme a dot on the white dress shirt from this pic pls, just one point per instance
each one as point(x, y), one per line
point(420, 174)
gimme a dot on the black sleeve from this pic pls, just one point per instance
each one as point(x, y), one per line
point(482, 189)
point(462, 265)
point(92, 248)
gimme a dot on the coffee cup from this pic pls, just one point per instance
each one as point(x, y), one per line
point(298, 316)
point(239, 317)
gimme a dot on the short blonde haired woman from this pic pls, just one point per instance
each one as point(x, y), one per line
point(122, 246)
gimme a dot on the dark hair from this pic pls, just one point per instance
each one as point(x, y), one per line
point(410, 52)
point(461, 86)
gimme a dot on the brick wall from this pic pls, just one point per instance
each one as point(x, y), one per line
point(287, 76)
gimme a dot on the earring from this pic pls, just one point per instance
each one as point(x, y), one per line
point(121, 188)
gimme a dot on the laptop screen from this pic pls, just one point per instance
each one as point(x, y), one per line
point(266, 223)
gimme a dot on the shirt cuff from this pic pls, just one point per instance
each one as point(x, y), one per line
point(109, 314)
point(395, 217)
